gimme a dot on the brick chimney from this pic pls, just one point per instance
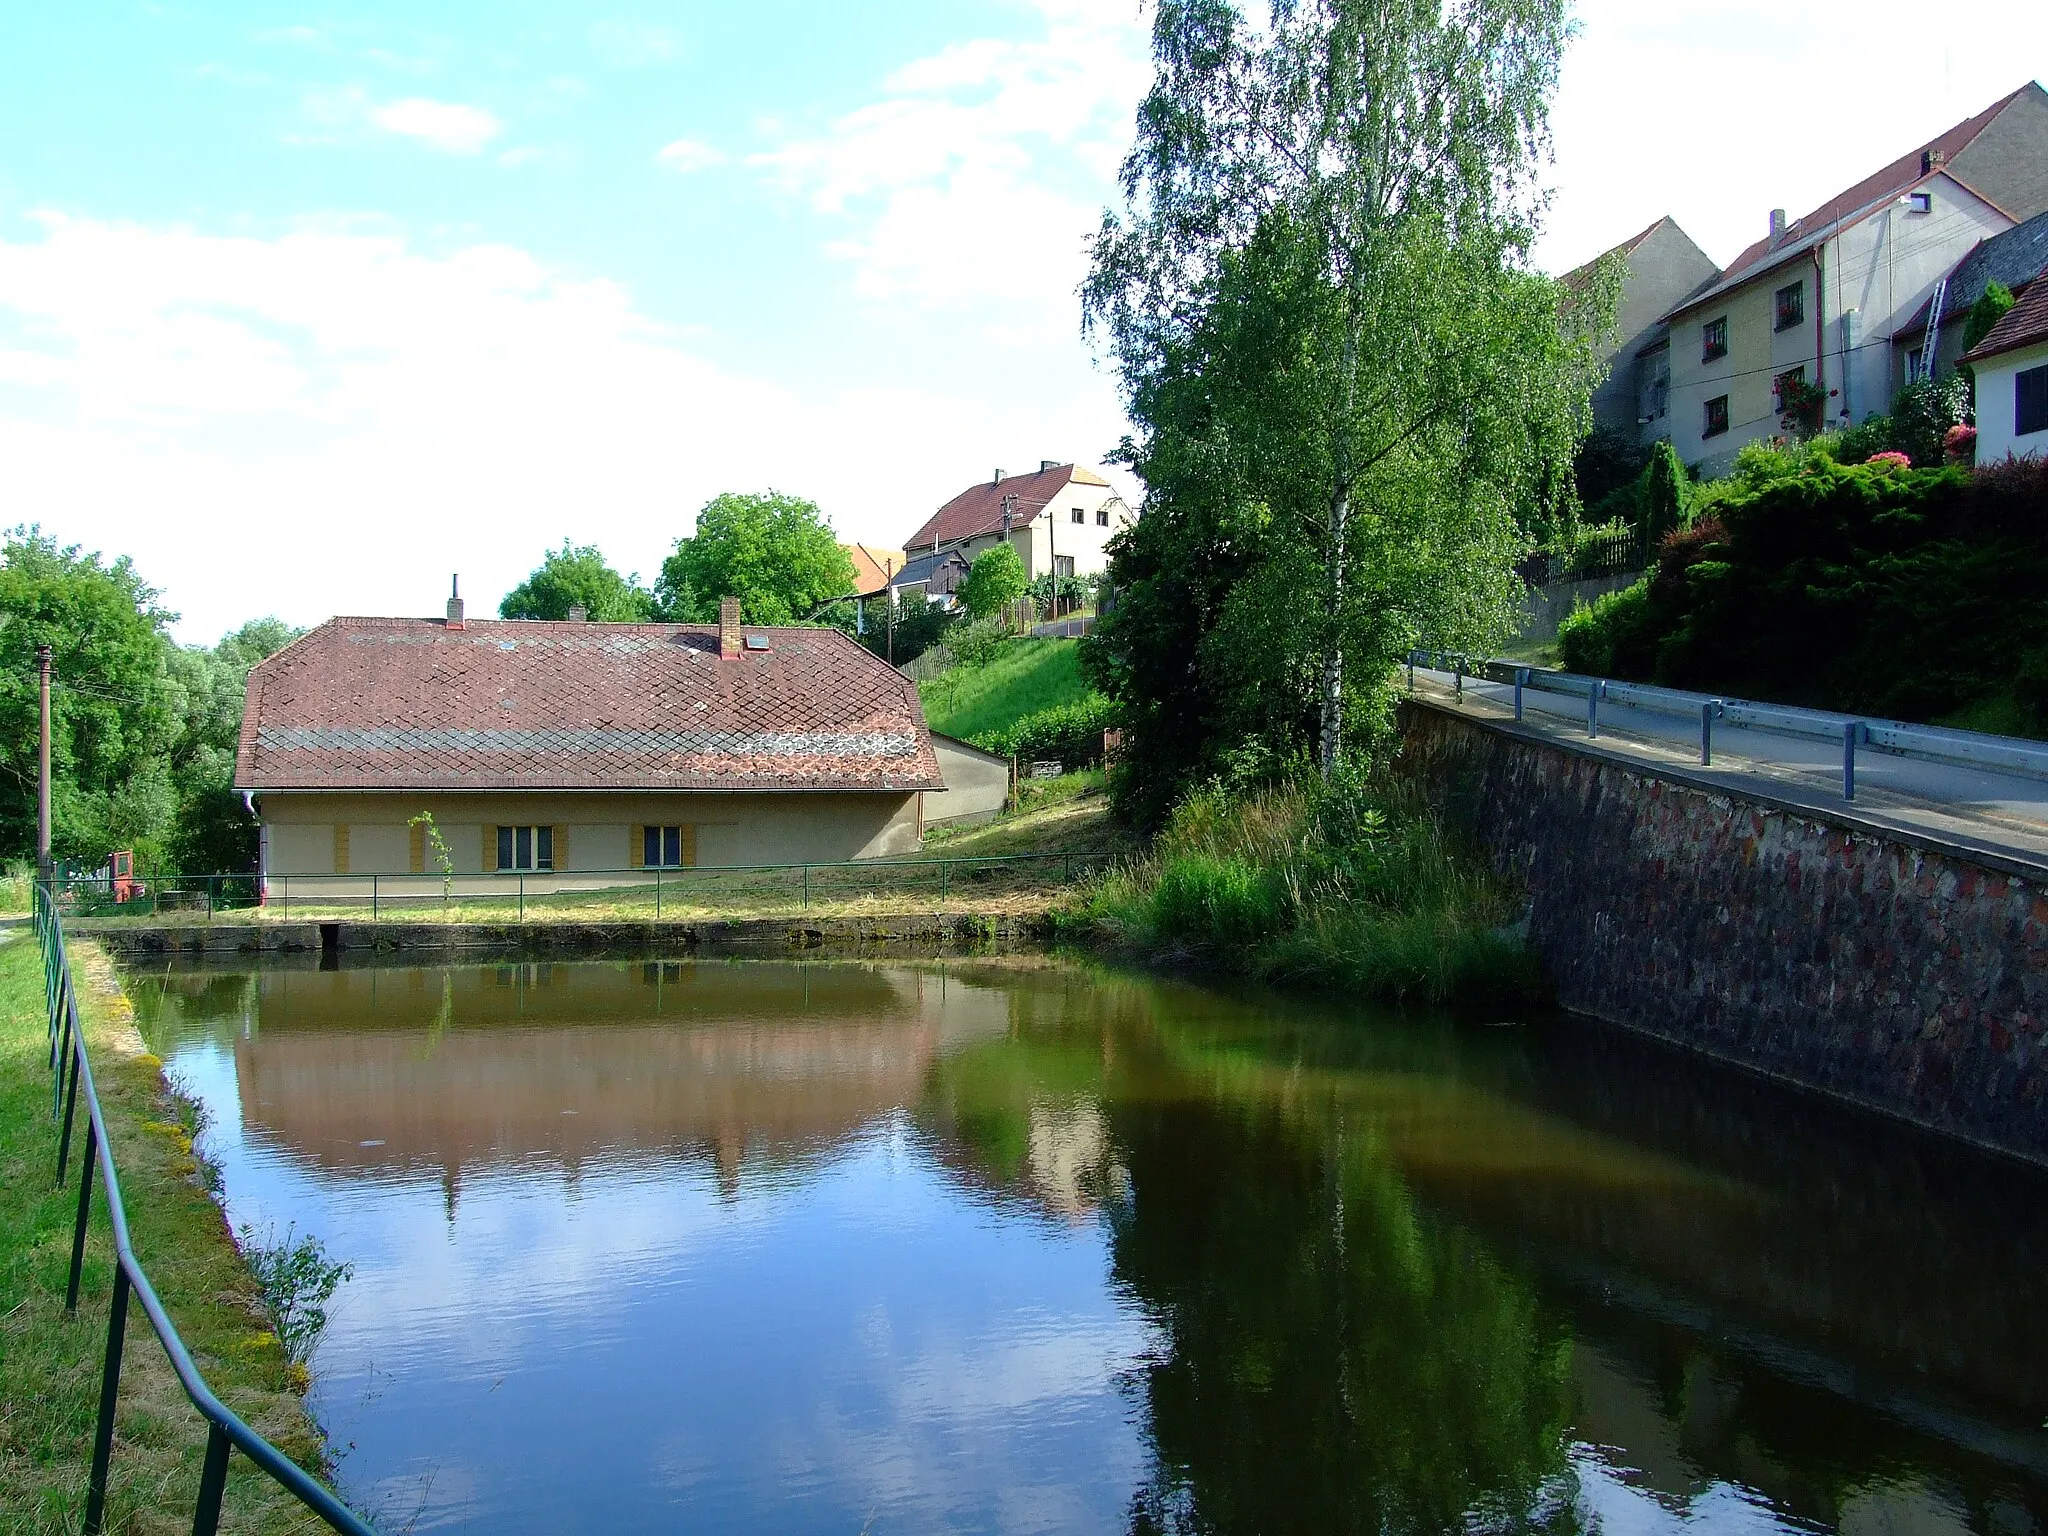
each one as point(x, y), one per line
point(455, 618)
point(729, 628)
point(1777, 224)
point(1046, 464)
point(578, 614)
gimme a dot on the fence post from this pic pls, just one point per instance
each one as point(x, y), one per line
point(70, 1118)
point(1593, 692)
point(1521, 677)
point(522, 896)
point(213, 1482)
point(807, 887)
point(92, 1142)
point(657, 893)
point(373, 898)
point(110, 1392)
point(1849, 734)
point(209, 898)
point(1460, 665)
point(1707, 732)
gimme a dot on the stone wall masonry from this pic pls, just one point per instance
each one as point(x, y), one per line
point(1882, 967)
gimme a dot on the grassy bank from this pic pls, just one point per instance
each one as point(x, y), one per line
point(1353, 886)
point(50, 1364)
point(1023, 678)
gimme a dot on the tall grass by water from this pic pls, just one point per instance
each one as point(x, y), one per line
point(1353, 885)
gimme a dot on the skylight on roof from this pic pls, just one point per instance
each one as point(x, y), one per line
point(757, 642)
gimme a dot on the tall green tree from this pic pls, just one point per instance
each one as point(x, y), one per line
point(113, 712)
point(775, 553)
point(1348, 384)
point(576, 576)
point(995, 578)
point(212, 831)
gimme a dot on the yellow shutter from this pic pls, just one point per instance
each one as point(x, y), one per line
point(341, 847)
point(636, 848)
point(419, 849)
point(561, 847)
point(689, 846)
point(490, 860)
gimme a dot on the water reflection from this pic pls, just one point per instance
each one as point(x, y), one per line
point(1024, 1247)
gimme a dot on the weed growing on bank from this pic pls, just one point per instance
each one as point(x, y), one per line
point(1351, 885)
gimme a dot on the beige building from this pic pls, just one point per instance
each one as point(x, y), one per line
point(1820, 299)
point(1661, 267)
point(1059, 519)
point(566, 753)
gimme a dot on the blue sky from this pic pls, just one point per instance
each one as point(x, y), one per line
point(308, 308)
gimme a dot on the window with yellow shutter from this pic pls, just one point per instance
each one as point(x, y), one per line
point(667, 847)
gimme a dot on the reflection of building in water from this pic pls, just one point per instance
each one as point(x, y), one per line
point(485, 1066)
point(1069, 1161)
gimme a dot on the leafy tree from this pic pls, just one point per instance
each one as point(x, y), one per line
point(213, 832)
point(1663, 492)
point(995, 578)
point(1992, 306)
point(112, 712)
point(576, 575)
point(1347, 382)
point(920, 625)
point(775, 553)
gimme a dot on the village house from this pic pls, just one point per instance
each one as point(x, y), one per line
point(2011, 364)
point(1819, 300)
point(2014, 258)
point(1059, 519)
point(1661, 267)
point(569, 749)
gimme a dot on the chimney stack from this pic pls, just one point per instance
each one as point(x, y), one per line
point(998, 479)
point(1045, 464)
point(455, 618)
point(578, 614)
point(1777, 223)
point(729, 628)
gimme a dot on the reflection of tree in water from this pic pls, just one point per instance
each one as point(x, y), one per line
point(1334, 1360)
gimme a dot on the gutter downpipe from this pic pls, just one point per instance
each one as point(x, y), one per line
point(1820, 355)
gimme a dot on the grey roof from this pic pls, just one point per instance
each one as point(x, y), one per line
point(920, 569)
point(2014, 258)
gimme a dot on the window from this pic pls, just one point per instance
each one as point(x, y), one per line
point(668, 847)
point(1790, 307)
point(1080, 516)
point(1920, 202)
point(2030, 401)
point(1913, 361)
point(1717, 416)
point(1794, 375)
point(1102, 517)
point(1062, 567)
point(526, 847)
point(1714, 340)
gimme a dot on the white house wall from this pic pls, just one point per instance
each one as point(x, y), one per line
point(1995, 406)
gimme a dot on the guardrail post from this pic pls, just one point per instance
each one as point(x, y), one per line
point(1460, 664)
point(92, 1142)
point(1521, 679)
point(110, 1393)
point(1849, 734)
point(1593, 692)
point(1707, 732)
point(213, 1482)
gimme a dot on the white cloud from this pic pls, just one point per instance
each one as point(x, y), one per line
point(980, 170)
point(689, 155)
point(333, 420)
point(449, 126)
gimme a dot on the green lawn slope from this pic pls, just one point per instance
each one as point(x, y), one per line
point(1024, 677)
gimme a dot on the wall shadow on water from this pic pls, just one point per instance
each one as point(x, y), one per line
point(1408, 1275)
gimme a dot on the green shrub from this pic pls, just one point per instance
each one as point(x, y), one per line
point(1592, 635)
point(1207, 899)
point(995, 578)
point(1070, 733)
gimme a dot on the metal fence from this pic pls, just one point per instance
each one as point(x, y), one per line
point(1927, 743)
point(518, 896)
point(71, 1082)
point(1611, 552)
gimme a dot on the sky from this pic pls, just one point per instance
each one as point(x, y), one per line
point(309, 309)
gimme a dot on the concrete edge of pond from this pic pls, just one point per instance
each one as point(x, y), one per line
point(906, 930)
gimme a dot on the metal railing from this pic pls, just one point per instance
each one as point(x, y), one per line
point(71, 1081)
point(1609, 552)
point(507, 894)
point(1893, 738)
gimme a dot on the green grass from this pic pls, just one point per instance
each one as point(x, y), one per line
point(1361, 891)
point(50, 1363)
point(1025, 677)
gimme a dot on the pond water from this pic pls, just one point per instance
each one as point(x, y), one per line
point(1027, 1246)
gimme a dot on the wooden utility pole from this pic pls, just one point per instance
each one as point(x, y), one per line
point(889, 605)
point(43, 870)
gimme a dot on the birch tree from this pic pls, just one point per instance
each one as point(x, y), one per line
point(1339, 361)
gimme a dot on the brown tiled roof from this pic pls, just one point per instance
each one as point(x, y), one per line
point(1872, 191)
point(520, 704)
point(979, 509)
point(2024, 325)
point(872, 567)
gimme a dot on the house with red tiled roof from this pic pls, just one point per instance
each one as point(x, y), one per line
point(1819, 298)
point(2011, 365)
point(1059, 519)
point(577, 750)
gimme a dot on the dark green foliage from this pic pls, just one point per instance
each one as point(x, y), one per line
point(1610, 460)
point(995, 578)
point(1901, 594)
point(920, 625)
point(1069, 733)
point(1663, 491)
point(1921, 414)
point(775, 553)
point(1992, 306)
point(573, 576)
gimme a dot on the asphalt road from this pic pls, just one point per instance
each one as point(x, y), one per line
point(2001, 808)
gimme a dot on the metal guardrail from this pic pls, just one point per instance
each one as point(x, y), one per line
point(1894, 738)
point(554, 890)
point(71, 1080)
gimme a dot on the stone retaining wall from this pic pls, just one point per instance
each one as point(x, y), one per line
point(1888, 970)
